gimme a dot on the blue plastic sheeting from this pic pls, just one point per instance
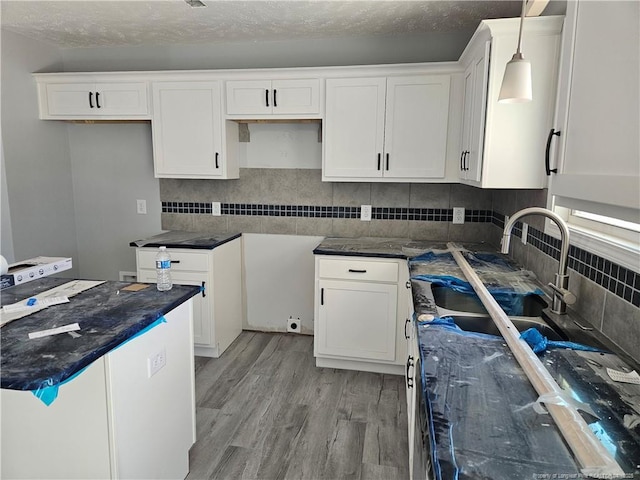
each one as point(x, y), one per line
point(540, 343)
point(510, 301)
point(48, 392)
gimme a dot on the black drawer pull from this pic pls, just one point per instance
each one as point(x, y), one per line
point(406, 322)
point(322, 296)
point(203, 290)
point(387, 167)
point(217, 165)
point(379, 161)
point(98, 99)
point(175, 261)
point(266, 97)
point(547, 167)
point(90, 99)
point(355, 270)
point(275, 98)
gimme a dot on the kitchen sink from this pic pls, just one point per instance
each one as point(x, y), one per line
point(485, 324)
point(445, 297)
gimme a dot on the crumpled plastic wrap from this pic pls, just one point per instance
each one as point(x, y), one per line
point(508, 286)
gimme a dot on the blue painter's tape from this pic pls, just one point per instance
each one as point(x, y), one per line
point(48, 391)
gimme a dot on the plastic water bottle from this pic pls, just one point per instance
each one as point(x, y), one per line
point(163, 270)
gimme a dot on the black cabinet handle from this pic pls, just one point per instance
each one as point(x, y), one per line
point(355, 270)
point(322, 296)
point(217, 166)
point(464, 161)
point(90, 99)
point(406, 322)
point(387, 167)
point(98, 99)
point(266, 97)
point(174, 261)
point(409, 377)
point(549, 170)
point(461, 157)
point(275, 98)
point(378, 161)
point(204, 289)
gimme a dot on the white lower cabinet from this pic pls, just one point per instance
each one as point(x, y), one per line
point(357, 314)
point(217, 310)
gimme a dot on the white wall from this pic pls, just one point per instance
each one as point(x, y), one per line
point(39, 189)
point(279, 281)
point(112, 167)
point(435, 47)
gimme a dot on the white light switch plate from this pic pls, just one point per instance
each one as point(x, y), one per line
point(216, 209)
point(365, 213)
point(141, 207)
point(458, 215)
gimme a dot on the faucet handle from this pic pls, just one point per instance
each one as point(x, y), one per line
point(565, 295)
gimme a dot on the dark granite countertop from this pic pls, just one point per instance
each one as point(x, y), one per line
point(108, 316)
point(480, 402)
point(180, 239)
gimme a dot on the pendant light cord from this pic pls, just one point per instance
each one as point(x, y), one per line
point(524, 7)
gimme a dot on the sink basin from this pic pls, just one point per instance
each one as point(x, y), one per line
point(445, 297)
point(484, 324)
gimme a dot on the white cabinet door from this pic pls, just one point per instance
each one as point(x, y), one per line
point(415, 140)
point(473, 115)
point(354, 127)
point(88, 100)
point(187, 131)
point(278, 97)
point(248, 96)
point(598, 115)
point(357, 320)
point(296, 96)
point(202, 314)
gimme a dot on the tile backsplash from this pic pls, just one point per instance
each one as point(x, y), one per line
point(296, 201)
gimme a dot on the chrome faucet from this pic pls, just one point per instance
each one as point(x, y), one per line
point(561, 296)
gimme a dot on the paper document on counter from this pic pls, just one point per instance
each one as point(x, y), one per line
point(12, 312)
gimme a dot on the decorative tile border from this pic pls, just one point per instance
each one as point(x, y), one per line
point(618, 280)
point(314, 211)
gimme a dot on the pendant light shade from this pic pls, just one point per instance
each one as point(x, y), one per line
point(516, 83)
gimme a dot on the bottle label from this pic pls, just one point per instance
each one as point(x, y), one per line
point(163, 264)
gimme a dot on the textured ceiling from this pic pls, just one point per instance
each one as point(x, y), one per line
point(90, 23)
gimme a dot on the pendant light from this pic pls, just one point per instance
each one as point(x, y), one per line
point(516, 83)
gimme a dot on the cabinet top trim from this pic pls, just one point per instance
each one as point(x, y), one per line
point(262, 73)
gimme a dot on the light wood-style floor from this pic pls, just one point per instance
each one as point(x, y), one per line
point(265, 411)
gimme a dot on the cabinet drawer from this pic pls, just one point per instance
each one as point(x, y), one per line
point(358, 270)
point(180, 260)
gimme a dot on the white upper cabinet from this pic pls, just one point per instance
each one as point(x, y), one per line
point(82, 100)
point(597, 152)
point(503, 145)
point(273, 97)
point(189, 132)
point(386, 128)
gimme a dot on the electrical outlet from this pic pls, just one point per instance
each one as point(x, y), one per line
point(293, 325)
point(525, 230)
point(141, 207)
point(216, 209)
point(365, 213)
point(156, 362)
point(458, 215)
